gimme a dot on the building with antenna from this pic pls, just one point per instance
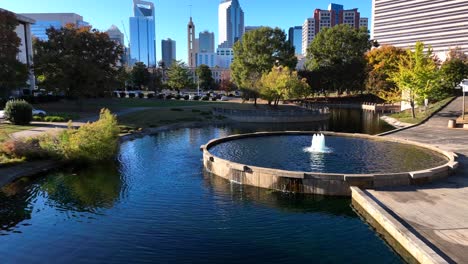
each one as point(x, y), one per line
point(143, 34)
point(230, 22)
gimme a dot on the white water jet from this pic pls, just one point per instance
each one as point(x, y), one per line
point(318, 144)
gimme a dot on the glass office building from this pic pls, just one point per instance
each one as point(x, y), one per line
point(231, 23)
point(168, 48)
point(295, 39)
point(142, 34)
point(56, 20)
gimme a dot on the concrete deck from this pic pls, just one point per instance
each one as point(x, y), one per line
point(436, 213)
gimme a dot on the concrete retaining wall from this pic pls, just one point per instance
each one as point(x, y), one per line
point(318, 183)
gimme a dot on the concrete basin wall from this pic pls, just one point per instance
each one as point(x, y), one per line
point(319, 183)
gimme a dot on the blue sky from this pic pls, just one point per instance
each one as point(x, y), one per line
point(172, 15)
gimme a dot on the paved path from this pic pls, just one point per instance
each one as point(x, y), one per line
point(437, 213)
point(51, 127)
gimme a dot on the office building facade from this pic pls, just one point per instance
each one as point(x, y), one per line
point(230, 22)
point(45, 21)
point(308, 34)
point(206, 42)
point(441, 24)
point(295, 39)
point(168, 48)
point(143, 34)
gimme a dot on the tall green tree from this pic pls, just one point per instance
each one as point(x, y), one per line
point(417, 76)
point(382, 62)
point(13, 74)
point(452, 72)
point(179, 76)
point(78, 61)
point(139, 76)
point(256, 54)
point(338, 53)
point(282, 83)
point(205, 77)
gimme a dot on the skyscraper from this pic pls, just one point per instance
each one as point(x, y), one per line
point(168, 47)
point(116, 35)
point(441, 24)
point(56, 20)
point(142, 34)
point(295, 38)
point(230, 22)
point(206, 42)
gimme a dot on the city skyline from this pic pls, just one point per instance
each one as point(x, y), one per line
point(172, 16)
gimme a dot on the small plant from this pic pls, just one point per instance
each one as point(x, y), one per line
point(18, 112)
point(54, 119)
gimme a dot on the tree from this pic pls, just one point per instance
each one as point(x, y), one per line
point(338, 53)
point(416, 76)
point(282, 83)
point(139, 76)
point(256, 54)
point(382, 62)
point(205, 77)
point(452, 72)
point(179, 76)
point(13, 74)
point(77, 61)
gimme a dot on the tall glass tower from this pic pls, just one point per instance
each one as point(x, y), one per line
point(142, 34)
point(231, 23)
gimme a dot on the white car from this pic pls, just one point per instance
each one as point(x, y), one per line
point(38, 112)
point(2, 114)
point(224, 98)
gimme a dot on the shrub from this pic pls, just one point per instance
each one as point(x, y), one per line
point(169, 96)
point(205, 98)
point(131, 95)
point(141, 95)
point(92, 142)
point(123, 94)
point(150, 95)
point(214, 99)
point(177, 97)
point(160, 96)
point(54, 119)
point(18, 112)
point(187, 97)
point(196, 98)
point(23, 148)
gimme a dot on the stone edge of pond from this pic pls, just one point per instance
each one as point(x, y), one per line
point(392, 230)
point(334, 184)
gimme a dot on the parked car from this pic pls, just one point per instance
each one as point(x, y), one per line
point(2, 114)
point(38, 112)
point(224, 98)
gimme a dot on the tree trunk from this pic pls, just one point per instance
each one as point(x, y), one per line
point(412, 109)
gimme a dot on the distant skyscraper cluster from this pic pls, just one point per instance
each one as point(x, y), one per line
point(334, 15)
point(143, 34)
point(441, 24)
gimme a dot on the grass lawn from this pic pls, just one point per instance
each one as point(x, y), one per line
point(421, 113)
point(6, 129)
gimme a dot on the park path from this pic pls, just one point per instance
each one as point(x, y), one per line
point(51, 127)
point(436, 213)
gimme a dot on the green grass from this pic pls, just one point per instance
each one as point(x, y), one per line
point(421, 113)
point(7, 129)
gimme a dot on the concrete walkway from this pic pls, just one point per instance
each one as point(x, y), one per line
point(52, 127)
point(435, 213)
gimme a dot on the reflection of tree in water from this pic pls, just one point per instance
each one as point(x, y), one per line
point(298, 203)
point(85, 190)
point(15, 204)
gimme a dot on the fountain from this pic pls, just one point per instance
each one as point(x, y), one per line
point(318, 144)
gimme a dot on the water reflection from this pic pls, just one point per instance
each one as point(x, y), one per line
point(87, 190)
point(287, 202)
point(15, 205)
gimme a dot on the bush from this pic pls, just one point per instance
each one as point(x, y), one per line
point(54, 119)
point(131, 95)
point(150, 95)
point(205, 98)
point(196, 98)
point(214, 99)
point(177, 97)
point(123, 94)
point(187, 97)
point(169, 96)
point(160, 96)
point(141, 95)
point(18, 112)
point(23, 148)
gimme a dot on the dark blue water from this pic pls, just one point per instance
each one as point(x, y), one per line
point(343, 155)
point(156, 206)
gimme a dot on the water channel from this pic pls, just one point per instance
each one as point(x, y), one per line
point(155, 205)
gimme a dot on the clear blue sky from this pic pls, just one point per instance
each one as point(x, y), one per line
point(172, 15)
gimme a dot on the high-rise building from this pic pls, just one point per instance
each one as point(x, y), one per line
point(192, 44)
point(308, 34)
point(206, 42)
point(143, 34)
point(116, 35)
point(56, 20)
point(225, 57)
point(230, 22)
point(335, 15)
point(168, 48)
point(295, 39)
point(441, 24)
point(25, 52)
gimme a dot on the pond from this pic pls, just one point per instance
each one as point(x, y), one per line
point(155, 205)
